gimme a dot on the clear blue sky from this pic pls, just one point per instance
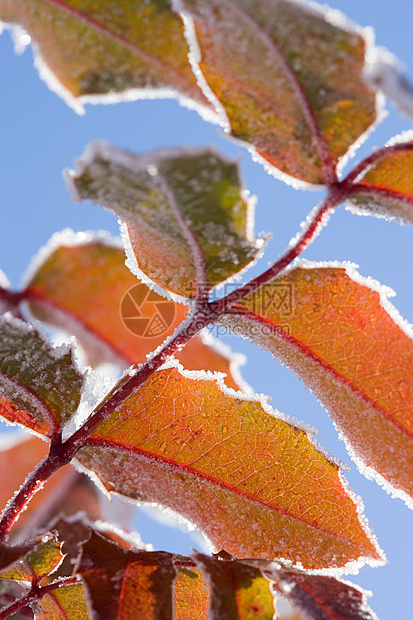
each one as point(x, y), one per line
point(40, 136)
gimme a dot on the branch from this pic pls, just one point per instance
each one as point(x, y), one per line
point(35, 593)
point(33, 483)
point(62, 453)
point(336, 196)
point(10, 302)
point(206, 313)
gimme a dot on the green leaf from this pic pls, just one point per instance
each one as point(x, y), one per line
point(289, 78)
point(132, 47)
point(385, 189)
point(39, 386)
point(185, 213)
point(65, 603)
point(253, 483)
point(343, 338)
point(42, 561)
point(238, 591)
point(11, 554)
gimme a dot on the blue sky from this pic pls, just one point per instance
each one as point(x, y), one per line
point(40, 136)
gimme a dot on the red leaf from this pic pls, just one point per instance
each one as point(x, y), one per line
point(353, 353)
point(320, 597)
point(119, 583)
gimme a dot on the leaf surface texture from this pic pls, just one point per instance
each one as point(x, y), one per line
point(39, 386)
point(185, 212)
point(87, 290)
point(253, 484)
point(386, 188)
point(289, 79)
point(98, 48)
point(346, 343)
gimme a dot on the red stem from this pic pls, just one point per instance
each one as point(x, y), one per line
point(337, 195)
point(33, 483)
point(62, 453)
point(34, 594)
point(10, 300)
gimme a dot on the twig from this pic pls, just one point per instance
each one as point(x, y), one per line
point(34, 594)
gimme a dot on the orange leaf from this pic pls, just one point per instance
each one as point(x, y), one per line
point(39, 386)
point(98, 49)
point(237, 590)
point(254, 484)
point(85, 289)
point(289, 78)
point(66, 603)
point(191, 594)
point(66, 491)
point(386, 187)
point(120, 583)
point(354, 354)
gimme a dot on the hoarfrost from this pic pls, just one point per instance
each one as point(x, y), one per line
point(95, 387)
point(4, 281)
point(67, 238)
point(194, 58)
point(369, 473)
point(21, 39)
point(383, 70)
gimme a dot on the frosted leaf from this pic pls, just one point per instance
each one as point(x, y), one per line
point(79, 283)
point(43, 560)
point(385, 71)
point(187, 218)
point(99, 54)
point(288, 77)
point(134, 580)
point(236, 589)
point(384, 189)
point(344, 339)
point(319, 597)
point(253, 483)
point(39, 386)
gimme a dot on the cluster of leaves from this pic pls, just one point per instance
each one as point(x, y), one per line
point(285, 79)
